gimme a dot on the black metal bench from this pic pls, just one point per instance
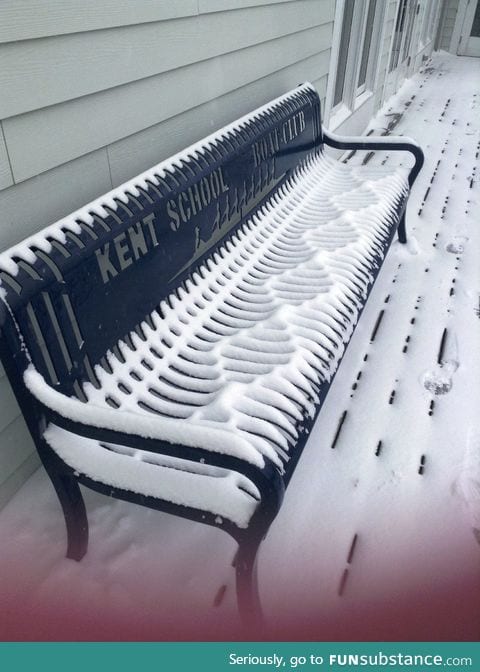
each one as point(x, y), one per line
point(171, 343)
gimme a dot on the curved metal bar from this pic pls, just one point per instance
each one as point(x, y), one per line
point(398, 144)
point(72, 503)
point(267, 479)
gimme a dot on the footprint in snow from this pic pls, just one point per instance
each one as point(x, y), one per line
point(440, 379)
point(457, 245)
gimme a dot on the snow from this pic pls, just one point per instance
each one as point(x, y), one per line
point(403, 479)
point(210, 489)
point(150, 427)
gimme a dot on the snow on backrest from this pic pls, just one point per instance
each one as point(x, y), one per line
point(81, 284)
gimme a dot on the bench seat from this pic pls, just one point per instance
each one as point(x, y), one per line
point(243, 351)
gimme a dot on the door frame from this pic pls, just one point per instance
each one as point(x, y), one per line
point(395, 77)
point(356, 108)
point(465, 7)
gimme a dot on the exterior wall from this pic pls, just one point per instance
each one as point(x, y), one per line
point(92, 93)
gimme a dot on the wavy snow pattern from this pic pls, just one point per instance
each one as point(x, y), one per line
point(263, 323)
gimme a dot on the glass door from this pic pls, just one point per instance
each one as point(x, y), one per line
point(399, 55)
point(470, 40)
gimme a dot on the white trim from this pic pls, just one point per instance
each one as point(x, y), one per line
point(356, 123)
point(379, 27)
point(377, 84)
point(339, 116)
point(402, 70)
point(355, 49)
point(362, 98)
point(332, 72)
point(389, 57)
point(359, 53)
point(464, 48)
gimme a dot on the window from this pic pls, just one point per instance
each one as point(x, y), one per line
point(367, 42)
point(409, 28)
point(357, 50)
point(475, 30)
point(343, 51)
point(426, 26)
point(430, 16)
point(397, 37)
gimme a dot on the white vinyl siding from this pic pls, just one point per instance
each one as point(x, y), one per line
point(48, 137)
point(23, 20)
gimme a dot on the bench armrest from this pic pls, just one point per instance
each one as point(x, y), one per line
point(371, 142)
point(166, 436)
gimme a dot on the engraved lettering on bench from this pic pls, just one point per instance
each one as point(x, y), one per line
point(231, 210)
point(231, 204)
point(268, 146)
point(293, 127)
point(127, 247)
point(197, 197)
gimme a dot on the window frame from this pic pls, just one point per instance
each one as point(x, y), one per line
point(353, 96)
point(426, 34)
point(372, 50)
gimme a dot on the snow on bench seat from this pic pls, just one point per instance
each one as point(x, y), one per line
point(242, 352)
point(223, 492)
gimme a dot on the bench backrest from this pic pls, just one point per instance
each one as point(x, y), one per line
point(77, 287)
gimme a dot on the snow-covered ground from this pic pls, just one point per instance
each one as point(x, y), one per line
point(379, 537)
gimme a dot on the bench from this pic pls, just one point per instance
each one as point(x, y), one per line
point(172, 342)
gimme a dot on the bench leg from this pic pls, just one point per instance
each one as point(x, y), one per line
point(71, 500)
point(248, 597)
point(402, 230)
